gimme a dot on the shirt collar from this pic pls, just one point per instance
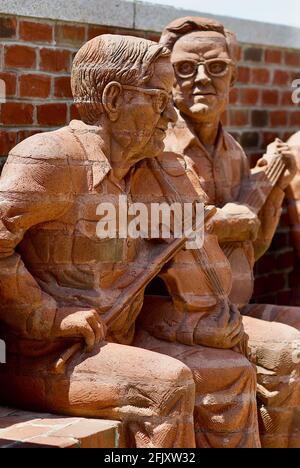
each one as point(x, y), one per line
point(186, 137)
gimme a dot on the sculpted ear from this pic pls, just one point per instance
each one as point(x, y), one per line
point(112, 100)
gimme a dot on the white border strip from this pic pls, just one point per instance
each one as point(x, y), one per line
point(135, 14)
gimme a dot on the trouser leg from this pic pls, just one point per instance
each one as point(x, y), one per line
point(287, 315)
point(274, 351)
point(153, 395)
point(225, 410)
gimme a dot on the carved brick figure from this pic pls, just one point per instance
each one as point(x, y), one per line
point(62, 286)
point(293, 197)
point(249, 207)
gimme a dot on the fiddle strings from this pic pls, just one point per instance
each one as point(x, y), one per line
point(201, 255)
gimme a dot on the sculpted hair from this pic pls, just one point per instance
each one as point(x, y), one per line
point(182, 26)
point(125, 59)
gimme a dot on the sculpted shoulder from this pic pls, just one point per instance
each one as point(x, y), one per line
point(54, 145)
point(233, 145)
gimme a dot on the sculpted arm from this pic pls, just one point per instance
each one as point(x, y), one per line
point(271, 210)
point(32, 191)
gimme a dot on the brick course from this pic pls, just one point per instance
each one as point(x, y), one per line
point(22, 429)
point(35, 63)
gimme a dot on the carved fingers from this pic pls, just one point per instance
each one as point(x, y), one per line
point(86, 324)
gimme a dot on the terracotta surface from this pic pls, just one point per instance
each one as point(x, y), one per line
point(293, 197)
point(60, 283)
point(22, 429)
point(249, 206)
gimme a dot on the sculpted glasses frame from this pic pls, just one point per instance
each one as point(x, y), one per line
point(214, 67)
point(162, 98)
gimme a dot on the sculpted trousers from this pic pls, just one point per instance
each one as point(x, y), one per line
point(275, 349)
point(225, 414)
point(152, 394)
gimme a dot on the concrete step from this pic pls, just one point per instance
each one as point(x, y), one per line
point(23, 429)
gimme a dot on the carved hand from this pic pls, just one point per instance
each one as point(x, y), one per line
point(85, 324)
point(235, 223)
point(288, 156)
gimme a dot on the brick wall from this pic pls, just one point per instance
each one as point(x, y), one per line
point(35, 63)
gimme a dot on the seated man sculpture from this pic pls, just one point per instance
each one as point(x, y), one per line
point(293, 196)
point(62, 285)
point(204, 60)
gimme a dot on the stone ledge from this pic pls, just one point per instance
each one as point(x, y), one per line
point(134, 14)
point(22, 429)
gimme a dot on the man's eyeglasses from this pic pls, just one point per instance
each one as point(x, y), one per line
point(213, 67)
point(161, 97)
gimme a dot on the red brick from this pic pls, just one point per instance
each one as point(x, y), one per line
point(62, 87)
point(239, 53)
point(270, 97)
point(239, 117)
point(253, 158)
point(282, 78)
point(15, 113)
point(253, 54)
point(66, 34)
point(280, 241)
point(8, 27)
point(278, 118)
point(7, 141)
point(284, 297)
point(269, 137)
point(74, 113)
point(249, 96)
point(292, 58)
point(35, 32)
point(91, 433)
point(94, 31)
point(273, 56)
point(23, 432)
point(23, 134)
point(275, 282)
point(266, 264)
point(286, 98)
point(285, 260)
point(35, 86)
point(18, 56)
point(52, 114)
point(259, 118)
point(295, 119)
point(55, 60)
point(243, 74)
point(10, 80)
point(234, 96)
point(286, 136)
point(260, 76)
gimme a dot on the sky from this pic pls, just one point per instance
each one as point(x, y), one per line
point(270, 11)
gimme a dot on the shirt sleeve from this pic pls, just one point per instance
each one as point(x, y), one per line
point(33, 190)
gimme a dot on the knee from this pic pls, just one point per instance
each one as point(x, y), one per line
point(177, 374)
point(281, 352)
point(177, 388)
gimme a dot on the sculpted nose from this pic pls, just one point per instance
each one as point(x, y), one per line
point(170, 112)
point(202, 76)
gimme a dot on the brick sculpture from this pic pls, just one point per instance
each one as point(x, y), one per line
point(204, 57)
point(62, 286)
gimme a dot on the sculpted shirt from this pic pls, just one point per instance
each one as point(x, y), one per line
point(222, 175)
point(50, 254)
